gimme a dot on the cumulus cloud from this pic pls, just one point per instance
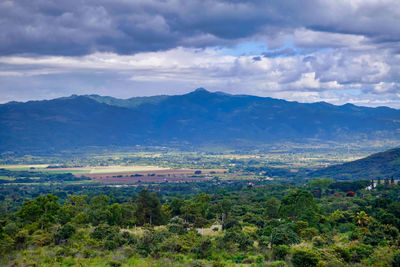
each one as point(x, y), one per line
point(315, 50)
point(321, 75)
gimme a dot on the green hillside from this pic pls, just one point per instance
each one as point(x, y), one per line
point(383, 164)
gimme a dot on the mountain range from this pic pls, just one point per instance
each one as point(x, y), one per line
point(197, 118)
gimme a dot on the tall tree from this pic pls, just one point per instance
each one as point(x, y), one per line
point(148, 208)
point(299, 205)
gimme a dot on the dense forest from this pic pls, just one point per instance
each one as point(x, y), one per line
point(321, 223)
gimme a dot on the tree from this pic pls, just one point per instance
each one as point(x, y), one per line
point(176, 206)
point(362, 218)
point(280, 252)
point(115, 217)
point(148, 208)
point(72, 207)
point(225, 207)
point(98, 211)
point(283, 235)
point(177, 225)
point(271, 208)
point(319, 186)
point(65, 232)
point(196, 211)
point(300, 204)
point(396, 260)
point(203, 248)
point(42, 210)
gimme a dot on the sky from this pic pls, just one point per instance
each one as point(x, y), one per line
point(338, 51)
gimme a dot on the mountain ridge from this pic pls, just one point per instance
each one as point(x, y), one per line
point(378, 165)
point(195, 118)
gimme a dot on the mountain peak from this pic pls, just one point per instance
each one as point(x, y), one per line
point(200, 90)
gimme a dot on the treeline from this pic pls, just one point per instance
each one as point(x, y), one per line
point(263, 225)
point(36, 177)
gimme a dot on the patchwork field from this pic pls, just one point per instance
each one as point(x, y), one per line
point(83, 170)
point(163, 175)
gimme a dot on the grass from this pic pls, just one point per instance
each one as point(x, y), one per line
point(49, 171)
point(7, 178)
point(23, 167)
point(111, 169)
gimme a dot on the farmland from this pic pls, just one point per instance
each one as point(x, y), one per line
point(155, 175)
point(162, 165)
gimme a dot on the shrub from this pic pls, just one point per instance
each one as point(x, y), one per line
point(238, 258)
point(65, 232)
point(197, 263)
point(20, 239)
point(382, 256)
point(304, 258)
point(101, 231)
point(231, 223)
point(308, 233)
point(396, 260)
point(203, 249)
point(177, 225)
point(283, 235)
point(346, 227)
point(280, 252)
point(114, 263)
point(318, 241)
point(87, 253)
point(277, 264)
point(218, 263)
point(362, 251)
point(343, 253)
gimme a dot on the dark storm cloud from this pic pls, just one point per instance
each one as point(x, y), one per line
point(78, 27)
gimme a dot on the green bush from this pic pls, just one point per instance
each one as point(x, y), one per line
point(280, 252)
point(203, 248)
point(277, 264)
point(304, 258)
point(396, 260)
point(359, 252)
point(178, 226)
point(318, 241)
point(382, 256)
point(283, 235)
point(346, 227)
point(343, 253)
point(231, 223)
point(65, 232)
point(114, 263)
point(101, 231)
point(308, 233)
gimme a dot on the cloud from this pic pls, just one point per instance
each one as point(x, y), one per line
point(309, 50)
point(321, 75)
point(78, 27)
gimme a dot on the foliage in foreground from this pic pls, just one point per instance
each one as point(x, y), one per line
point(266, 225)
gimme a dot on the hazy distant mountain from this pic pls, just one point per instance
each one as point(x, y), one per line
point(196, 118)
point(383, 165)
